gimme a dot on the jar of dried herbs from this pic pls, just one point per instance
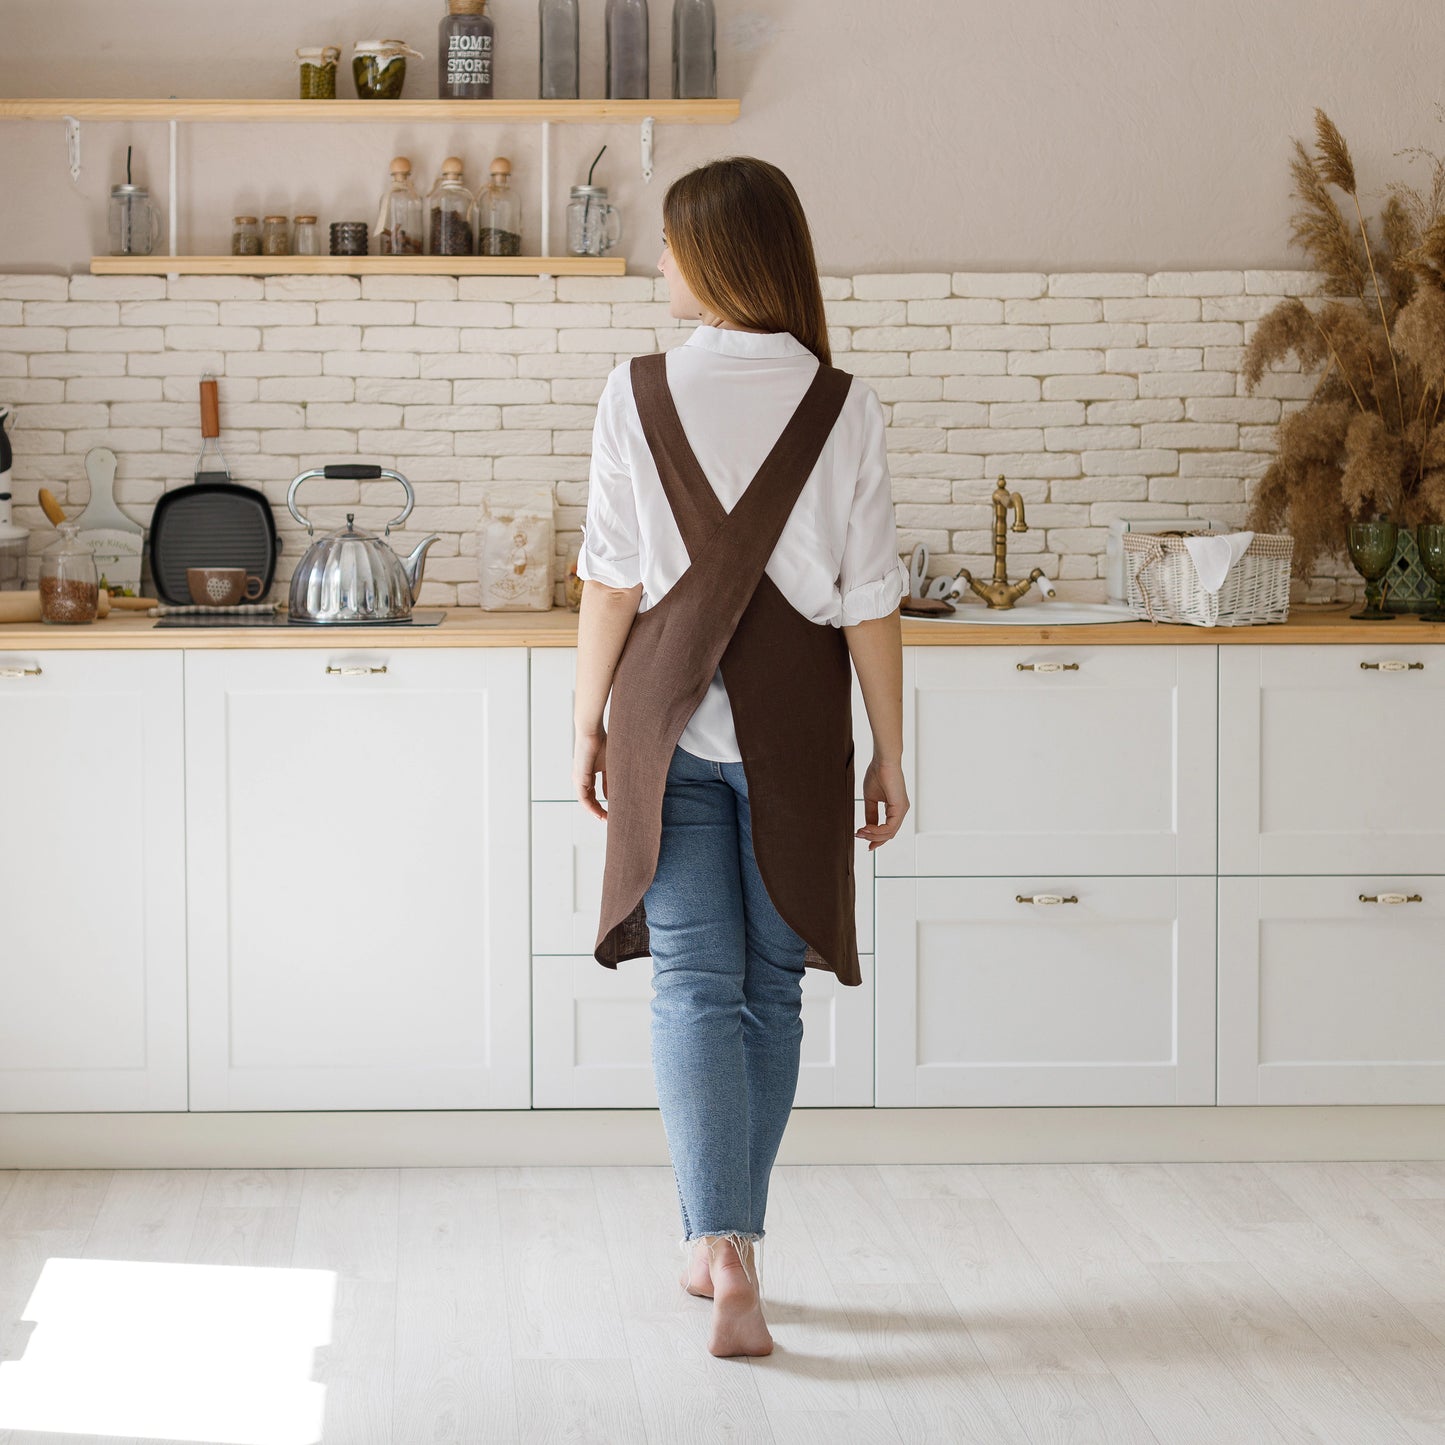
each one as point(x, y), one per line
point(399, 223)
point(449, 226)
point(318, 71)
point(379, 68)
point(499, 213)
point(245, 238)
point(276, 236)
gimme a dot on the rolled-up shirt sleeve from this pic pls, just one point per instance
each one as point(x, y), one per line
point(609, 551)
point(871, 578)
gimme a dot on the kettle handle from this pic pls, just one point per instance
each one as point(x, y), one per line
point(355, 471)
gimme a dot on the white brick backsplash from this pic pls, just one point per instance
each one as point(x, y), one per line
point(1096, 394)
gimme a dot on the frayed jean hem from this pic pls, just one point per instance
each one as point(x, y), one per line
point(737, 1238)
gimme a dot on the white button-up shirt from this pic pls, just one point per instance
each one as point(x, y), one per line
point(837, 558)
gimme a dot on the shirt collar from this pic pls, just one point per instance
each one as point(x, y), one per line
point(746, 343)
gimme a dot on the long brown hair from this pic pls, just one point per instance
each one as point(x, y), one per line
point(738, 234)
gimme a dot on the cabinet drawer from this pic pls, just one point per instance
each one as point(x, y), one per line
point(569, 847)
point(1104, 766)
point(1329, 765)
point(986, 1000)
point(592, 1029)
point(1325, 999)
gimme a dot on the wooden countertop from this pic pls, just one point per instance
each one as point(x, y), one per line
point(471, 627)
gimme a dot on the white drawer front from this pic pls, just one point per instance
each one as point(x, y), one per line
point(985, 1000)
point(1328, 766)
point(1106, 765)
point(1325, 999)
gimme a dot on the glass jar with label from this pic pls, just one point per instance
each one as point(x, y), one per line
point(245, 237)
point(499, 214)
point(465, 51)
point(276, 236)
point(399, 228)
point(448, 210)
point(306, 239)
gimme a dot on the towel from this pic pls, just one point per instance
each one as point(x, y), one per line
point(1213, 556)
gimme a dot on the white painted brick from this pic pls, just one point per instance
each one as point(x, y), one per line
point(410, 338)
point(407, 288)
point(177, 363)
point(1232, 408)
point(1005, 285)
point(15, 287)
point(515, 339)
point(549, 415)
point(266, 313)
point(901, 338)
point(1230, 358)
point(72, 363)
point(1236, 308)
point(315, 338)
point(504, 443)
point(399, 392)
point(1196, 489)
point(895, 286)
point(104, 388)
point(1222, 464)
point(301, 441)
point(1281, 283)
point(1129, 463)
point(1018, 465)
point(991, 388)
point(996, 439)
point(71, 313)
point(307, 388)
point(607, 289)
point(119, 439)
point(565, 390)
point(1036, 413)
point(616, 339)
point(1076, 438)
point(1197, 436)
point(273, 363)
point(559, 314)
point(1053, 311)
point(1187, 383)
point(12, 313)
point(468, 364)
point(914, 439)
point(108, 338)
point(1153, 308)
point(1142, 359)
point(351, 415)
point(459, 418)
point(1102, 513)
point(1197, 333)
point(1000, 338)
point(216, 288)
point(835, 288)
point(1046, 363)
point(627, 313)
point(312, 288)
point(1098, 283)
point(939, 413)
point(117, 288)
point(1196, 283)
point(938, 363)
point(1078, 539)
point(950, 311)
point(158, 413)
point(1102, 489)
point(213, 338)
point(1088, 388)
point(1098, 334)
point(170, 313)
point(907, 388)
point(61, 417)
point(1117, 413)
point(862, 313)
point(469, 313)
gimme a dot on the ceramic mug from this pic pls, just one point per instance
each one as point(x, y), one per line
point(223, 586)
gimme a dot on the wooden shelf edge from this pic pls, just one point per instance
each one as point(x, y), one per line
point(576, 112)
point(358, 265)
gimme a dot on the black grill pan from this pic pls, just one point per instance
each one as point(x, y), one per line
point(211, 524)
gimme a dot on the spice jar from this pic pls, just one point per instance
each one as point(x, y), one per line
point(399, 222)
point(379, 68)
point(69, 585)
point(465, 51)
point(593, 227)
point(276, 237)
point(318, 71)
point(306, 239)
point(245, 238)
point(499, 214)
point(449, 226)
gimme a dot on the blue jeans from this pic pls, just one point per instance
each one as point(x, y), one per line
point(727, 1024)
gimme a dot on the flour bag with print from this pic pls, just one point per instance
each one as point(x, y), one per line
point(515, 547)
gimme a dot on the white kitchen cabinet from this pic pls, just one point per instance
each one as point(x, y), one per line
point(92, 882)
point(1330, 759)
point(1325, 998)
point(1084, 760)
point(986, 1000)
point(357, 864)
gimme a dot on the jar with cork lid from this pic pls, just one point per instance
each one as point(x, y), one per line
point(464, 66)
point(498, 212)
point(449, 224)
point(399, 228)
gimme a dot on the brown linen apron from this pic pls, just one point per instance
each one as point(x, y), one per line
point(788, 679)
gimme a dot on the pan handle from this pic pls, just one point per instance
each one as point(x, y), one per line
point(351, 471)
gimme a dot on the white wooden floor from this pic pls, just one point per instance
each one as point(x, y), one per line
point(1228, 1304)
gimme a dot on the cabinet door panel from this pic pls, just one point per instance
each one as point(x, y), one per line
point(357, 849)
point(92, 882)
point(1296, 792)
point(984, 1000)
point(1105, 767)
point(1325, 999)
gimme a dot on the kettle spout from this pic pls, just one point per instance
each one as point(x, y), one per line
point(415, 564)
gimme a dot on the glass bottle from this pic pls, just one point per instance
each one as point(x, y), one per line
point(275, 236)
point(245, 238)
point(449, 213)
point(498, 212)
point(557, 21)
point(306, 240)
point(399, 229)
point(464, 51)
point(69, 583)
point(627, 59)
point(694, 50)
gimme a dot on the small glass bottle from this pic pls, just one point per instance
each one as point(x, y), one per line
point(245, 238)
point(306, 240)
point(464, 51)
point(399, 229)
point(276, 236)
point(627, 57)
point(449, 213)
point(498, 212)
point(557, 22)
point(69, 583)
point(694, 50)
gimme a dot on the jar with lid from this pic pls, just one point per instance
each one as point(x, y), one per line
point(464, 49)
point(69, 584)
point(448, 209)
point(245, 238)
point(306, 239)
point(627, 57)
point(694, 50)
point(378, 67)
point(276, 236)
point(135, 224)
point(317, 66)
point(593, 227)
point(557, 24)
point(399, 229)
point(498, 212)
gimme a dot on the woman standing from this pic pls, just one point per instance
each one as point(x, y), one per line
point(739, 547)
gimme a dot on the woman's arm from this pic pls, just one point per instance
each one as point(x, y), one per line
point(602, 626)
point(876, 647)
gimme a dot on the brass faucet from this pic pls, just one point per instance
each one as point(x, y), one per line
point(1001, 593)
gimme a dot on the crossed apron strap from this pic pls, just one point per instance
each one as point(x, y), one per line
point(762, 511)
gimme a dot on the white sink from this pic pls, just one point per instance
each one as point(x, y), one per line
point(1038, 614)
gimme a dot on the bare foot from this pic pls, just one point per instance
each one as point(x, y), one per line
point(738, 1327)
point(697, 1277)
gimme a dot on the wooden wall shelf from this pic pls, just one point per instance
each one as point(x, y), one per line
point(358, 266)
point(380, 112)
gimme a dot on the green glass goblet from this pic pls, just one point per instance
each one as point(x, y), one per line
point(1430, 540)
point(1372, 550)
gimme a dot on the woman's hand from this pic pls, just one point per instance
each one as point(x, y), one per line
point(882, 783)
point(589, 757)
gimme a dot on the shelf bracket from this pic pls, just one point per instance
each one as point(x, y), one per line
point(72, 146)
point(647, 148)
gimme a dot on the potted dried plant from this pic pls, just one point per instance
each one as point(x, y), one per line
point(1369, 444)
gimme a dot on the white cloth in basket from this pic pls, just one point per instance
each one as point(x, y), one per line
point(1213, 556)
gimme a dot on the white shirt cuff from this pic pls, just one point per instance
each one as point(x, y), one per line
point(875, 599)
point(611, 572)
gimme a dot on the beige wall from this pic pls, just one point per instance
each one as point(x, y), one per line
point(922, 134)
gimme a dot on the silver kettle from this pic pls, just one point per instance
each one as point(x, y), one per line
point(353, 576)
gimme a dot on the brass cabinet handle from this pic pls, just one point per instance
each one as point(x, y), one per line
point(19, 672)
point(1390, 898)
point(355, 671)
point(1047, 666)
point(1045, 898)
point(1392, 665)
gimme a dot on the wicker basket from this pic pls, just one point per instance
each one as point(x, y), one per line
point(1164, 587)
